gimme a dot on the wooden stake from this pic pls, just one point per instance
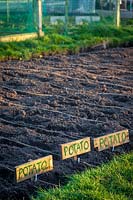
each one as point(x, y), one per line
point(75, 158)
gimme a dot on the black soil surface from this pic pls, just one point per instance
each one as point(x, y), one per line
point(57, 99)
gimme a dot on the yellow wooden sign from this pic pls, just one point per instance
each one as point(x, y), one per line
point(75, 148)
point(29, 169)
point(111, 140)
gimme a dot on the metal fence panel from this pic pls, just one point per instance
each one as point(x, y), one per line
point(16, 16)
point(20, 16)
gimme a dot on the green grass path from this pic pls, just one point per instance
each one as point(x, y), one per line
point(79, 39)
point(112, 181)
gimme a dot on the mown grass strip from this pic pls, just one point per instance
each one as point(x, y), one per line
point(112, 181)
point(79, 38)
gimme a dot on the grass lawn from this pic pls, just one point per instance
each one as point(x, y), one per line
point(78, 39)
point(112, 181)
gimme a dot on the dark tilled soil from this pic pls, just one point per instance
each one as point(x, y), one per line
point(56, 99)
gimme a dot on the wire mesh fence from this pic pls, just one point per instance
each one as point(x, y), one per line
point(20, 16)
point(16, 16)
point(64, 14)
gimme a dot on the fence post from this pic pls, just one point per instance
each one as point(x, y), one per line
point(126, 4)
point(39, 18)
point(66, 16)
point(7, 10)
point(118, 13)
point(131, 3)
point(34, 14)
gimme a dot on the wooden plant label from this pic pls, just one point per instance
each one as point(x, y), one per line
point(111, 140)
point(30, 169)
point(75, 148)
